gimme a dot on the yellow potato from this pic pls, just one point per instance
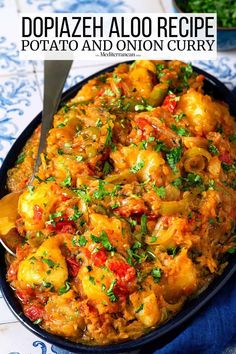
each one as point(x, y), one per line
point(181, 277)
point(201, 111)
point(143, 163)
point(117, 231)
point(93, 281)
point(142, 80)
point(46, 265)
point(63, 315)
point(42, 198)
point(146, 307)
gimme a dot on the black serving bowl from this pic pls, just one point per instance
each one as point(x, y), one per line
point(226, 36)
point(166, 332)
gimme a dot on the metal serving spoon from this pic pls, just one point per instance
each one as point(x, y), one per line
point(55, 74)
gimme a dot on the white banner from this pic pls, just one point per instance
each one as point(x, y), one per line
point(118, 36)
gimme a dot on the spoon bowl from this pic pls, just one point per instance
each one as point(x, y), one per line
point(55, 74)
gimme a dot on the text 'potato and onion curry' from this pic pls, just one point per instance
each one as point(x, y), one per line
point(133, 208)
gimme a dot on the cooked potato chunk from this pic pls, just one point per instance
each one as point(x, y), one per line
point(62, 316)
point(201, 111)
point(143, 164)
point(146, 307)
point(142, 80)
point(181, 277)
point(46, 265)
point(95, 283)
point(35, 205)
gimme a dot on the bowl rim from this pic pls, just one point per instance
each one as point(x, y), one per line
point(159, 336)
point(220, 28)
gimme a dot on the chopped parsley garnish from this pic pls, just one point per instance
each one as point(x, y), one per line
point(141, 107)
point(102, 79)
point(213, 149)
point(211, 184)
point(47, 284)
point(83, 193)
point(60, 152)
point(232, 250)
point(92, 280)
point(179, 130)
point(101, 192)
point(64, 289)
point(140, 308)
point(99, 123)
point(65, 108)
point(108, 141)
point(173, 251)
point(153, 239)
point(232, 138)
point(110, 292)
point(156, 274)
point(39, 320)
point(159, 68)
point(67, 180)
point(160, 146)
point(177, 183)
point(115, 190)
point(31, 189)
point(108, 92)
point(229, 167)
point(179, 117)
point(173, 156)
point(104, 240)
point(49, 262)
point(144, 229)
point(77, 213)
point(20, 158)
point(50, 179)
point(186, 73)
point(134, 254)
point(143, 145)
point(137, 167)
point(185, 183)
point(160, 191)
point(212, 221)
point(56, 215)
point(81, 241)
point(116, 78)
point(107, 168)
point(79, 158)
point(61, 125)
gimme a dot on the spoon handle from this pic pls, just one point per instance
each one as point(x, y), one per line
point(55, 74)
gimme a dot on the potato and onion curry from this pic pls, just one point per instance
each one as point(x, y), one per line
point(133, 208)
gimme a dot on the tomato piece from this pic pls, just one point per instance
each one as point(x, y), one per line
point(34, 312)
point(170, 102)
point(87, 253)
point(142, 123)
point(25, 295)
point(125, 275)
point(64, 197)
point(38, 212)
point(123, 270)
point(65, 226)
point(99, 258)
point(226, 158)
point(73, 266)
